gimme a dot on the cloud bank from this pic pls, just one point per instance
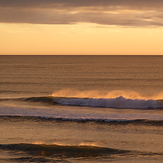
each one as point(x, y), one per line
point(143, 13)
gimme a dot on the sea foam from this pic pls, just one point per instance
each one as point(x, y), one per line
point(118, 102)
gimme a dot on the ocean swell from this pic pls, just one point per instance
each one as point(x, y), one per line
point(62, 150)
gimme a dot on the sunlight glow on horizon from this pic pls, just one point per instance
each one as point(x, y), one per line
point(82, 39)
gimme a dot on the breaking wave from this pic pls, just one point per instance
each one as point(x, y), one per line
point(118, 102)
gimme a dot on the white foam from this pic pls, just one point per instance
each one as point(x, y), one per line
point(118, 102)
point(85, 113)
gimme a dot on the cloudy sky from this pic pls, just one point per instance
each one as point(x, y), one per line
point(81, 27)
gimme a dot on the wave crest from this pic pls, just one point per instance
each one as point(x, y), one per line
point(118, 102)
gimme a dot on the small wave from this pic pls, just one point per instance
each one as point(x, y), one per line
point(118, 102)
point(69, 151)
point(62, 150)
point(145, 122)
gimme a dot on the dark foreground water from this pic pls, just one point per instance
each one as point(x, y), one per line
point(81, 109)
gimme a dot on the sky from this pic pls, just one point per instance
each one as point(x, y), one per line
point(84, 27)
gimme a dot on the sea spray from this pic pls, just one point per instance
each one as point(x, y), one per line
point(118, 102)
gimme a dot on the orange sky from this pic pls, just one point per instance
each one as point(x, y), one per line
point(105, 27)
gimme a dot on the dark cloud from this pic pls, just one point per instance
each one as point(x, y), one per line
point(107, 12)
point(81, 3)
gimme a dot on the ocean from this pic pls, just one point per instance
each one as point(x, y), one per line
point(82, 109)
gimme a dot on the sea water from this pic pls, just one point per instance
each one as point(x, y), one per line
point(81, 109)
